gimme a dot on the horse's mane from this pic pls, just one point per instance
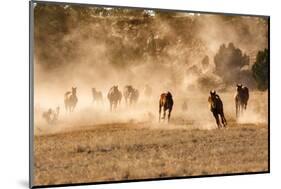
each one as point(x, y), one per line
point(67, 93)
point(169, 95)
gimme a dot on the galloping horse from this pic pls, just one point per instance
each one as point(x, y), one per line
point(97, 95)
point(241, 99)
point(130, 94)
point(70, 100)
point(51, 116)
point(166, 101)
point(114, 96)
point(216, 107)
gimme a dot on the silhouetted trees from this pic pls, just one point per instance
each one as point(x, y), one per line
point(260, 69)
point(229, 62)
point(72, 34)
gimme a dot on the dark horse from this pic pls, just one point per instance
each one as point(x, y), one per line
point(70, 100)
point(114, 96)
point(97, 96)
point(130, 94)
point(216, 107)
point(166, 101)
point(241, 99)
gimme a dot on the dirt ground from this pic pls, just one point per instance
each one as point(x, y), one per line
point(125, 151)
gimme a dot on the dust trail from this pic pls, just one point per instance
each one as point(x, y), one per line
point(95, 47)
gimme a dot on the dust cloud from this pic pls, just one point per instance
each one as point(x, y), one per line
point(167, 51)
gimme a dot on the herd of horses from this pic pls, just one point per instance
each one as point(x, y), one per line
point(166, 102)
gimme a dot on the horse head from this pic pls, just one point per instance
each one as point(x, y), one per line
point(115, 88)
point(169, 94)
point(74, 90)
point(239, 87)
point(213, 93)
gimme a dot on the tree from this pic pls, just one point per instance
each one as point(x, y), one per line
point(229, 62)
point(260, 69)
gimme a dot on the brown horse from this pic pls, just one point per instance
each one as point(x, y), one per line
point(131, 95)
point(216, 107)
point(51, 116)
point(114, 96)
point(166, 101)
point(241, 99)
point(97, 96)
point(70, 100)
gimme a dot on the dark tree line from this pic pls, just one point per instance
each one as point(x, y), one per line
point(138, 35)
point(260, 69)
point(229, 62)
point(128, 34)
point(233, 67)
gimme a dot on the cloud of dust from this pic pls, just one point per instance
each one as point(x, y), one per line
point(94, 63)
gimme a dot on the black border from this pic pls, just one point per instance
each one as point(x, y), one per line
point(31, 92)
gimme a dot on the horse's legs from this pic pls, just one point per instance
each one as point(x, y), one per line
point(245, 105)
point(223, 119)
point(241, 108)
point(217, 119)
point(164, 116)
point(160, 107)
point(115, 105)
point(169, 114)
point(237, 108)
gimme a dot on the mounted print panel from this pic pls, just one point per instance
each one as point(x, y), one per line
point(124, 94)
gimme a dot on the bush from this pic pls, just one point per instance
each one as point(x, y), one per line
point(260, 69)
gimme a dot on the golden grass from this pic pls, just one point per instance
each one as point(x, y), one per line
point(124, 151)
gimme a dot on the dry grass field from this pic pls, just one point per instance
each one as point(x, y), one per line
point(110, 152)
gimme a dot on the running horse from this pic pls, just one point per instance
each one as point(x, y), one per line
point(241, 99)
point(216, 107)
point(97, 96)
point(131, 95)
point(114, 96)
point(166, 102)
point(51, 116)
point(70, 100)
